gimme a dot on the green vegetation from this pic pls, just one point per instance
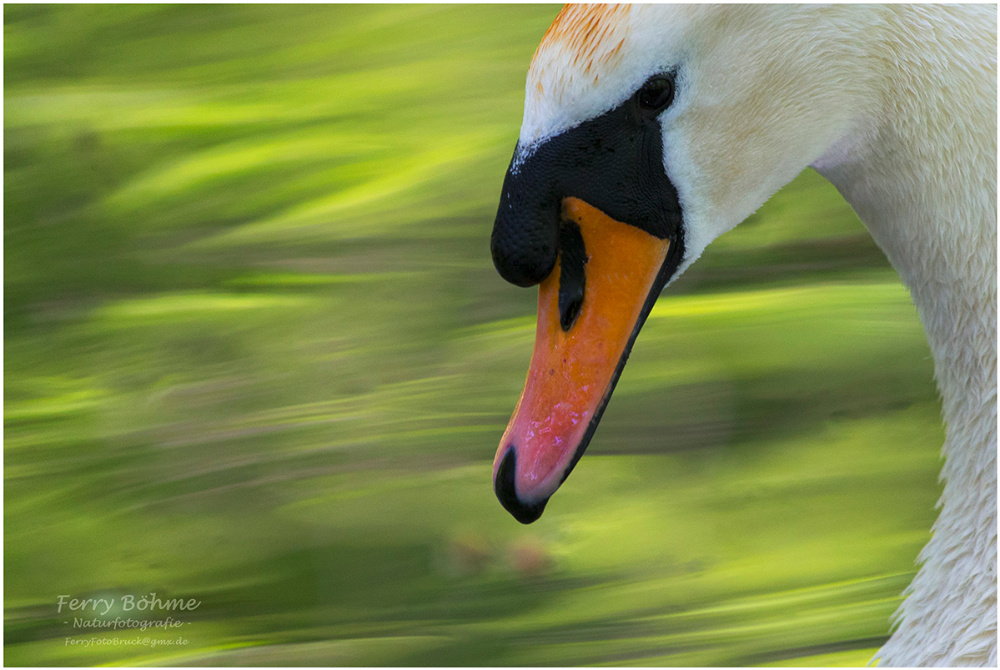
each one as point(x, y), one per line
point(257, 355)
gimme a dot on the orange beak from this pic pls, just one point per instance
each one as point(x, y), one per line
point(580, 349)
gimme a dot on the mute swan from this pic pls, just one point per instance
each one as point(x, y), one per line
point(650, 130)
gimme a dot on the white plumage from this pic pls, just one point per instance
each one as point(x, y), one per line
point(896, 106)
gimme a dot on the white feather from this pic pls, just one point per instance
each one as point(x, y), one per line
point(896, 106)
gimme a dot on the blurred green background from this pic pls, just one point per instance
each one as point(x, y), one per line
point(257, 354)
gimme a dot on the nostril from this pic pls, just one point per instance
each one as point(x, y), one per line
point(506, 491)
point(572, 275)
point(571, 310)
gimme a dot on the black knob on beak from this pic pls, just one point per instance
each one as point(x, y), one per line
point(525, 237)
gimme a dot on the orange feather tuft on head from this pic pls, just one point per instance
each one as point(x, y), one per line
point(586, 31)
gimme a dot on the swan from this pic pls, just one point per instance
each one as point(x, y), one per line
point(650, 130)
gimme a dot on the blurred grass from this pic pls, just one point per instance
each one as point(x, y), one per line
point(256, 354)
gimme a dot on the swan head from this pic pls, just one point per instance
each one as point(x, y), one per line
point(648, 131)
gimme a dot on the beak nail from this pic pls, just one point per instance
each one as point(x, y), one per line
point(506, 492)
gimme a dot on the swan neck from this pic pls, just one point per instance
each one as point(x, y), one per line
point(921, 175)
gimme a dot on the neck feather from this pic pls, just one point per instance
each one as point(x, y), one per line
point(922, 177)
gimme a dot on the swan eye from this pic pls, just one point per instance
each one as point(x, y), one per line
point(656, 94)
